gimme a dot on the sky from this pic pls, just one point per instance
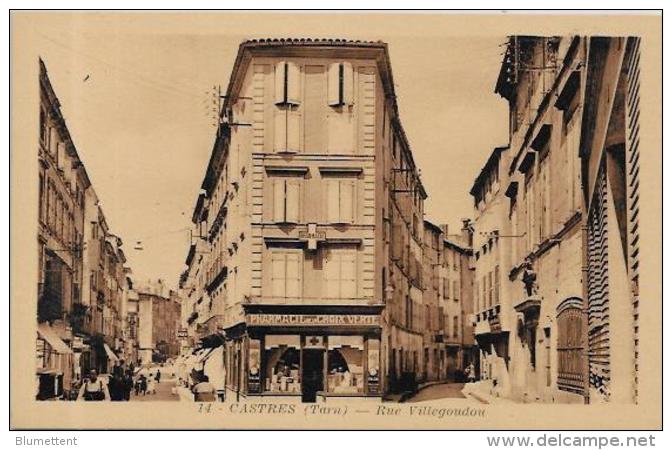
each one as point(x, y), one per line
point(142, 120)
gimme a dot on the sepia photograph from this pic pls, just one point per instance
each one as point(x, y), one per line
point(336, 220)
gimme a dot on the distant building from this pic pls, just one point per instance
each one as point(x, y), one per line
point(159, 314)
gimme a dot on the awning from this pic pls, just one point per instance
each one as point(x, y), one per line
point(45, 332)
point(204, 355)
point(110, 354)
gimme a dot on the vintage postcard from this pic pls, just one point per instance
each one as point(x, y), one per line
point(294, 220)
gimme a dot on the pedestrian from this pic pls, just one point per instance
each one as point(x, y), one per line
point(204, 391)
point(127, 385)
point(116, 388)
point(471, 373)
point(158, 376)
point(151, 384)
point(143, 384)
point(93, 389)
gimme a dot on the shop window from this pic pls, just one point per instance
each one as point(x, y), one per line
point(341, 200)
point(340, 273)
point(345, 364)
point(286, 273)
point(282, 369)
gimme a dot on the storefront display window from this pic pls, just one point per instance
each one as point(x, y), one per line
point(282, 362)
point(345, 369)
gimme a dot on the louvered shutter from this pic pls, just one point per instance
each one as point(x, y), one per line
point(349, 274)
point(331, 274)
point(278, 275)
point(347, 200)
point(333, 85)
point(348, 84)
point(280, 131)
point(293, 131)
point(294, 275)
point(333, 201)
point(292, 201)
point(279, 200)
point(293, 84)
point(280, 86)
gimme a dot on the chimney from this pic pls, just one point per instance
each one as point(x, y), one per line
point(467, 231)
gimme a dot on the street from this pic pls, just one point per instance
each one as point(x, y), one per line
point(438, 392)
point(163, 393)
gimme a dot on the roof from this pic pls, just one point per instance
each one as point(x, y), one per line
point(493, 159)
point(377, 50)
point(433, 226)
point(448, 242)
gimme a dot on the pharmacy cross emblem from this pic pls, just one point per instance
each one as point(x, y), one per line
point(312, 236)
point(314, 340)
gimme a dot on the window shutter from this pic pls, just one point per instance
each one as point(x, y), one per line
point(278, 275)
point(349, 275)
point(278, 200)
point(292, 196)
point(293, 275)
point(331, 270)
point(293, 131)
point(348, 84)
point(333, 85)
point(293, 84)
point(280, 128)
point(347, 213)
point(332, 201)
point(280, 91)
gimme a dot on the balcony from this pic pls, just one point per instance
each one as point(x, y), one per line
point(529, 307)
point(489, 320)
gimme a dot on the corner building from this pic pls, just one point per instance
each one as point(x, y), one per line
point(310, 182)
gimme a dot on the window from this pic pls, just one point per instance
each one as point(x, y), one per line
point(286, 273)
point(287, 131)
point(456, 326)
point(43, 126)
point(490, 289)
point(42, 199)
point(341, 200)
point(286, 200)
point(456, 291)
point(340, 84)
point(340, 273)
point(446, 288)
point(571, 136)
point(496, 285)
point(287, 83)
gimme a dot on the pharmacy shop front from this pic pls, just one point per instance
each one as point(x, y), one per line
point(313, 356)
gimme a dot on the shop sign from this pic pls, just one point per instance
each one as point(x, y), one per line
point(313, 320)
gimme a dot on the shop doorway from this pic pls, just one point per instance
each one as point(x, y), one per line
point(312, 374)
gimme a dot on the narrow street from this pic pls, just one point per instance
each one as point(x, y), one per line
point(438, 392)
point(163, 393)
